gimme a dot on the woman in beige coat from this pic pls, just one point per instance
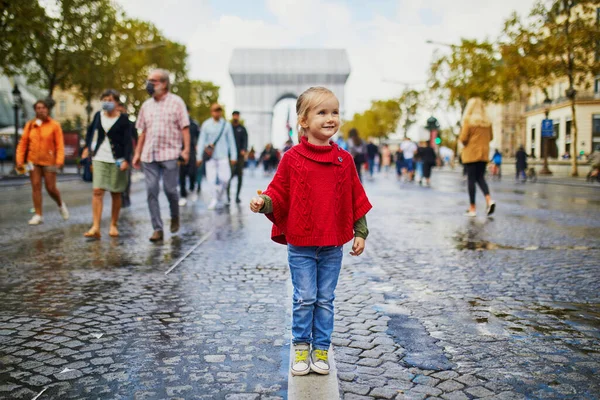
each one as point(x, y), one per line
point(476, 135)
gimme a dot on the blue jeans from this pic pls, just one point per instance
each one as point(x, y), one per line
point(315, 272)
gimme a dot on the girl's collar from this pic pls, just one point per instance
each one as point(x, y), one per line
point(324, 154)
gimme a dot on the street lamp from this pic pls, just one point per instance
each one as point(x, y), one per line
point(545, 170)
point(17, 101)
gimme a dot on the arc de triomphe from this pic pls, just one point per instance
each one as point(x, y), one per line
point(263, 77)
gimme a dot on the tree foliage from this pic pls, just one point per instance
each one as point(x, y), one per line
point(409, 102)
point(471, 69)
point(378, 121)
point(198, 95)
point(16, 18)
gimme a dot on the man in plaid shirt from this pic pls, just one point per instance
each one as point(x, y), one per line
point(163, 124)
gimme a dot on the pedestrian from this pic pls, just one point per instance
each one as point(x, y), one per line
point(188, 171)
point(219, 153)
point(386, 158)
point(372, 152)
point(521, 161)
point(497, 165)
point(476, 135)
point(252, 160)
point(163, 124)
point(126, 196)
point(2, 159)
point(42, 146)
point(108, 143)
point(358, 150)
point(428, 158)
point(317, 204)
point(409, 149)
point(399, 163)
point(241, 141)
point(269, 159)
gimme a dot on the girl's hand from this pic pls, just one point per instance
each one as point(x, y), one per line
point(358, 246)
point(124, 166)
point(256, 204)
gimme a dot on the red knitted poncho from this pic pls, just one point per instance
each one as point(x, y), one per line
point(316, 196)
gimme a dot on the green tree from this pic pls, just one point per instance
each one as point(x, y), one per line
point(57, 36)
point(95, 57)
point(16, 18)
point(409, 102)
point(198, 95)
point(378, 121)
point(472, 69)
point(564, 40)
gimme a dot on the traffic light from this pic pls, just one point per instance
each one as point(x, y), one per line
point(291, 132)
point(438, 140)
point(581, 152)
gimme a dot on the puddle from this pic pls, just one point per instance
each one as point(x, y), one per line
point(465, 243)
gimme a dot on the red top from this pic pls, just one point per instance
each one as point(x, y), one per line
point(316, 196)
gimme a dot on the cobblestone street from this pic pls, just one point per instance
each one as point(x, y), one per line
point(439, 306)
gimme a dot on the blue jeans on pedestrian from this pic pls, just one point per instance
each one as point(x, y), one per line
point(371, 162)
point(315, 272)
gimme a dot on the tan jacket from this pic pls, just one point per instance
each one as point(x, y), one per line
point(44, 145)
point(477, 143)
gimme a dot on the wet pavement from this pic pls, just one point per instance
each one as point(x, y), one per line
point(440, 306)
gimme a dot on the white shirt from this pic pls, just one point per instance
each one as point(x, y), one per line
point(104, 153)
point(408, 148)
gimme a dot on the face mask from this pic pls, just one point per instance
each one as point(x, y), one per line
point(108, 106)
point(150, 88)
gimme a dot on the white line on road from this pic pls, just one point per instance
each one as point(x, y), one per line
point(40, 393)
point(204, 238)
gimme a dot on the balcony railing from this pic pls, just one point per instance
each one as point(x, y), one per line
point(581, 96)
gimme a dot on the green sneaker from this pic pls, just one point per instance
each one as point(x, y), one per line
point(319, 361)
point(300, 363)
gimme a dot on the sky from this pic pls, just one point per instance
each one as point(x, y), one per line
point(385, 39)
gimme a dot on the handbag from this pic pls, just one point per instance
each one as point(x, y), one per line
point(209, 150)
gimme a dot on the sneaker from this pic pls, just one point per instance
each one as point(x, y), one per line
point(157, 236)
point(194, 197)
point(319, 361)
point(182, 202)
point(491, 208)
point(64, 211)
point(470, 213)
point(300, 364)
point(238, 200)
point(36, 220)
point(213, 204)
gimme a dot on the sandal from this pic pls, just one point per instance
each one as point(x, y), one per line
point(92, 234)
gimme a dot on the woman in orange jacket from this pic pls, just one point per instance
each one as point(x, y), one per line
point(42, 145)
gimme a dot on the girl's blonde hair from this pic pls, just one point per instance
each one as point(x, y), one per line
point(307, 101)
point(475, 114)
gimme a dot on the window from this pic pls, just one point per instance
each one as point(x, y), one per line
point(532, 141)
point(596, 127)
point(597, 85)
point(556, 129)
point(568, 127)
point(63, 107)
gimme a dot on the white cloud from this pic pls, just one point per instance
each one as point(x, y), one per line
point(383, 47)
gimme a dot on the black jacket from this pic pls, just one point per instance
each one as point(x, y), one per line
point(427, 155)
point(120, 136)
point(521, 157)
point(241, 138)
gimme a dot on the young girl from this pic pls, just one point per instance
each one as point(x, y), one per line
point(316, 203)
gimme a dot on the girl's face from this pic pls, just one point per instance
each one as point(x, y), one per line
point(323, 121)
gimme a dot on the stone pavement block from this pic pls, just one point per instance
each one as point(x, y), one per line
point(425, 380)
point(450, 386)
point(426, 390)
point(355, 388)
point(479, 392)
point(457, 395)
point(444, 375)
point(383, 393)
point(242, 396)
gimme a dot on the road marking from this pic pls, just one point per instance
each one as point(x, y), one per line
point(40, 393)
point(202, 240)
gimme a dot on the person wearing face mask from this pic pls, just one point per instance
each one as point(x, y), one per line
point(163, 126)
point(42, 147)
point(108, 143)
